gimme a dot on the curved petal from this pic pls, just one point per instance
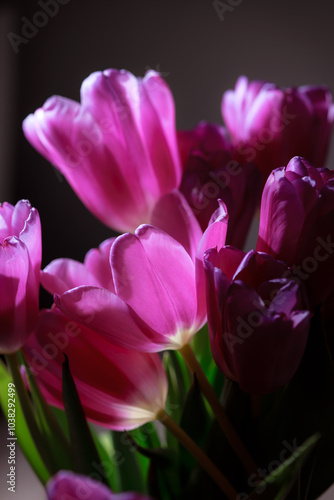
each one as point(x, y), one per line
point(97, 261)
point(154, 274)
point(118, 388)
point(106, 313)
point(63, 274)
point(173, 215)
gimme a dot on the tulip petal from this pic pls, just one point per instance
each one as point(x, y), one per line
point(154, 274)
point(173, 215)
point(106, 313)
point(118, 388)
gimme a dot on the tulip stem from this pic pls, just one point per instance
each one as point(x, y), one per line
point(203, 460)
point(28, 412)
point(218, 410)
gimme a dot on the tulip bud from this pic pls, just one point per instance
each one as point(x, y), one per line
point(20, 262)
point(297, 224)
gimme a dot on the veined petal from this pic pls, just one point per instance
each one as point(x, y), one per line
point(155, 275)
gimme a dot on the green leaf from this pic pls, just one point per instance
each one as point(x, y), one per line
point(129, 468)
point(84, 449)
point(303, 408)
point(52, 433)
point(107, 465)
point(278, 484)
point(22, 433)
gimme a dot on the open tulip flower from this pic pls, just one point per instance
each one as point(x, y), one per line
point(150, 295)
point(270, 125)
point(117, 149)
point(20, 262)
point(258, 321)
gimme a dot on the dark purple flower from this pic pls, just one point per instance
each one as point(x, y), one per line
point(258, 321)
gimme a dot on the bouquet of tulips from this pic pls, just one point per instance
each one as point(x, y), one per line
point(174, 364)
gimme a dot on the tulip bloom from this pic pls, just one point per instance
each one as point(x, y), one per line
point(117, 149)
point(297, 224)
point(258, 322)
point(67, 485)
point(118, 388)
point(151, 298)
point(210, 174)
point(20, 262)
point(270, 125)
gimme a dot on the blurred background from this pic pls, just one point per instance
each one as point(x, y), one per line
point(199, 46)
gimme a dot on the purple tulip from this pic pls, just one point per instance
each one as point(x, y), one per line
point(67, 485)
point(297, 224)
point(20, 262)
point(210, 174)
point(258, 322)
point(117, 149)
point(269, 125)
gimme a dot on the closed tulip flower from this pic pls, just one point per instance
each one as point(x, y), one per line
point(67, 485)
point(20, 262)
point(117, 149)
point(258, 321)
point(118, 388)
point(297, 224)
point(269, 125)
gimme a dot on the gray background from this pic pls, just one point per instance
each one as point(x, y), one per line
point(201, 56)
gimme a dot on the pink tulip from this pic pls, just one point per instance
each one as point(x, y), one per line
point(118, 388)
point(117, 149)
point(153, 295)
point(210, 174)
point(270, 125)
point(258, 321)
point(67, 485)
point(297, 224)
point(20, 262)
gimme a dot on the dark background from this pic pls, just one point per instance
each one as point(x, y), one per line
point(200, 56)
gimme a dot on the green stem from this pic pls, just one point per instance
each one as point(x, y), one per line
point(27, 409)
point(198, 454)
point(220, 414)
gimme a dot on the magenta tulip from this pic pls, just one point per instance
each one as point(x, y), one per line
point(269, 125)
point(117, 149)
point(151, 296)
point(210, 174)
point(67, 485)
point(118, 388)
point(297, 224)
point(258, 321)
point(20, 262)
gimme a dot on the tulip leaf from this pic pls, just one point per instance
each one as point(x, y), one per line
point(303, 408)
point(51, 431)
point(107, 465)
point(129, 468)
point(22, 432)
point(280, 481)
point(83, 445)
